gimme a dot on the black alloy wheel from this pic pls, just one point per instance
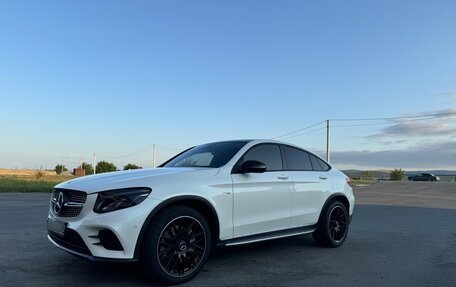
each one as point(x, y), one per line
point(338, 223)
point(181, 246)
point(176, 246)
point(332, 227)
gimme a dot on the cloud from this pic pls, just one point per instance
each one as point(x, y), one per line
point(431, 155)
point(437, 126)
point(448, 94)
point(432, 127)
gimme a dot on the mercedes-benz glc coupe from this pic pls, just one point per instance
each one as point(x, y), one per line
point(217, 194)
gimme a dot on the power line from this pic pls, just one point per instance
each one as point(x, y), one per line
point(305, 128)
point(398, 118)
point(388, 120)
point(404, 119)
point(309, 132)
point(169, 148)
point(396, 121)
point(362, 125)
point(141, 151)
point(128, 155)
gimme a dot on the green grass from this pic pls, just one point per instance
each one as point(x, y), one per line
point(11, 184)
point(362, 181)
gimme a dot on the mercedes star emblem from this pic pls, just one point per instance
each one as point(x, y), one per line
point(59, 203)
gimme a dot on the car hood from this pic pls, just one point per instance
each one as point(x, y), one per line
point(132, 178)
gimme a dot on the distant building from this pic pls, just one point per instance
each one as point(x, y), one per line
point(79, 171)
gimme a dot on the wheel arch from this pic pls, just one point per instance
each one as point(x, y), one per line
point(198, 203)
point(335, 197)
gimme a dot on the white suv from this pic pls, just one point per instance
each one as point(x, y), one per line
point(216, 194)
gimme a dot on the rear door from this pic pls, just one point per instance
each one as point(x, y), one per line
point(311, 185)
point(262, 201)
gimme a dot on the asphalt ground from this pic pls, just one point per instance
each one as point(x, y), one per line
point(402, 234)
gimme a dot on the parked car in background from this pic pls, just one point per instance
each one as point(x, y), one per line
point(424, 177)
point(218, 194)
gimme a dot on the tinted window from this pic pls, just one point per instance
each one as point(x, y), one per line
point(268, 154)
point(207, 155)
point(324, 164)
point(316, 163)
point(297, 159)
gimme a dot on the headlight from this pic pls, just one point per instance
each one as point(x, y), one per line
point(120, 198)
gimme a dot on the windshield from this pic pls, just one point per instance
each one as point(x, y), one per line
point(207, 155)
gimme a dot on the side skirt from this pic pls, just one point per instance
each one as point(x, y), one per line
point(268, 236)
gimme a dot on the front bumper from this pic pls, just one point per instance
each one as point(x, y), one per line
point(81, 235)
point(87, 256)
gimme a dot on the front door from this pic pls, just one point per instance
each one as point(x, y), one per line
point(262, 201)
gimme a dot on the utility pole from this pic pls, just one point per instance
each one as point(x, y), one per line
point(94, 161)
point(154, 156)
point(328, 141)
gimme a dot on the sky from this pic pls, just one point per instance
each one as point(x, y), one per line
point(115, 77)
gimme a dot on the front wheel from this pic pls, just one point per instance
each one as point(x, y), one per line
point(177, 246)
point(332, 227)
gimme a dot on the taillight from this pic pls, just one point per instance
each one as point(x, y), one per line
point(349, 182)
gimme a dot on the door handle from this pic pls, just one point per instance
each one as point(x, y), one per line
point(323, 177)
point(282, 177)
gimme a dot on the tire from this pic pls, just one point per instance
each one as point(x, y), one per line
point(176, 246)
point(332, 226)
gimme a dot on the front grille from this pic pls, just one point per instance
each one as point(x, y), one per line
point(71, 196)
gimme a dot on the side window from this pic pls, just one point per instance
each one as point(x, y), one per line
point(323, 165)
point(316, 163)
point(297, 159)
point(268, 154)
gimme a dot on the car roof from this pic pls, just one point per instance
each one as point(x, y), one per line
point(260, 141)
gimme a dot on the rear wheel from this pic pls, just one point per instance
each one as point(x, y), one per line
point(333, 225)
point(177, 246)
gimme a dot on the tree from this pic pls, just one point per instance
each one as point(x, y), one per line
point(397, 174)
point(132, 166)
point(368, 174)
point(104, 166)
point(87, 167)
point(60, 168)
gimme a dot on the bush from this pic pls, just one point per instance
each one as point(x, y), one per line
point(131, 166)
point(60, 168)
point(24, 185)
point(397, 174)
point(39, 175)
point(104, 166)
point(87, 167)
point(368, 174)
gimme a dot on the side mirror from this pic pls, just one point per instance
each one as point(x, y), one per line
point(252, 166)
